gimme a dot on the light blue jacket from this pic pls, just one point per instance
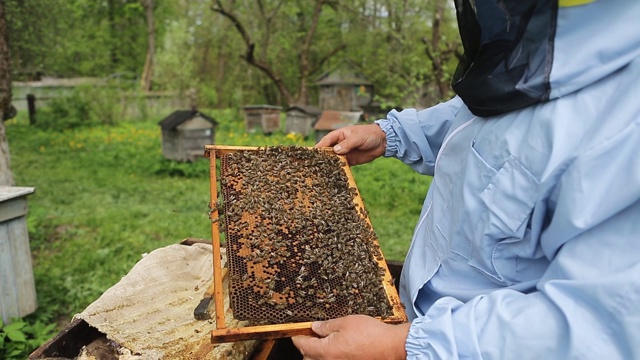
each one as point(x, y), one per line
point(528, 245)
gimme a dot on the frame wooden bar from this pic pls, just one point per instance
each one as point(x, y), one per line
point(260, 332)
point(222, 333)
point(218, 291)
point(399, 315)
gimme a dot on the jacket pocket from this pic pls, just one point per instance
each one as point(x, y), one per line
point(506, 203)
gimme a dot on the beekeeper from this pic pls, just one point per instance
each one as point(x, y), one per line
point(528, 244)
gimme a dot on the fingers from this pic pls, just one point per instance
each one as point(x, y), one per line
point(354, 337)
point(346, 138)
point(310, 347)
point(360, 143)
point(348, 144)
point(331, 139)
point(313, 347)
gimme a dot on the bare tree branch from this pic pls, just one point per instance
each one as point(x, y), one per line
point(249, 55)
point(262, 63)
point(268, 21)
point(437, 53)
point(234, 20)
point(314, 25)
point(304, 51)
point(326, 58)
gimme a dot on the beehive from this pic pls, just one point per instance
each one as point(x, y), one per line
point(300, 245)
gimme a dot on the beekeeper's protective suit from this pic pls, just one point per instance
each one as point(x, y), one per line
point(528, 245)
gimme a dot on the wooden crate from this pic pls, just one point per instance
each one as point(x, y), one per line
point(17, 286)
point(285, 328)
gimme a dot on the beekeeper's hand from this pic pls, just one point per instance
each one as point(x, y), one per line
point(354, 337)
point(360, 143)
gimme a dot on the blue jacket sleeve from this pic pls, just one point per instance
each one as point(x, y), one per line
point(587, 304)
point(415, 136)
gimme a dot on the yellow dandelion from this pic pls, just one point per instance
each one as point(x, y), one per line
point(291, 136)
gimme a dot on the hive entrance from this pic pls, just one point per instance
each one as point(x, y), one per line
point(299, 247)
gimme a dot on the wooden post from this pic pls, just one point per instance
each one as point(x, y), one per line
point(31, 104)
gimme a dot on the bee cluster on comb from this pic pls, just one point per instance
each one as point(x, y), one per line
point(299, 247)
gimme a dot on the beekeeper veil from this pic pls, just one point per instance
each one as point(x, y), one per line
point(521, 52)
point(508, 50)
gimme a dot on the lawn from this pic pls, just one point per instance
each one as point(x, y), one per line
point(105, 196)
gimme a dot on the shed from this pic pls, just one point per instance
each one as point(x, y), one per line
point(17, 286)
point(300, 119)
point(332, 119)
point(266, 117)
point(185, 134)
point(344, 89)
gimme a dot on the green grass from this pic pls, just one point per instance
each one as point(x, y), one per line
point(105, 195)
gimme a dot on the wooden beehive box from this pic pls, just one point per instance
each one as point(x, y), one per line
point(17, 286)
point(299, 242)
point(344, 89)
point(185, 133)
point(300, 119)
point(262, 117)
point(331, 120)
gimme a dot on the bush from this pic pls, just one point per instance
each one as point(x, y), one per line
point(87, 105)
point(19, 339)
point(195, 169)
point(65, 113)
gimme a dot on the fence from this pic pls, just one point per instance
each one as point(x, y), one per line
point(30, 96)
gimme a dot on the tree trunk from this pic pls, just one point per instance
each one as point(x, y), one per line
point(6, 176)
point(439, 53)
point(221, 69)
point(113, 52)
point(147, 73)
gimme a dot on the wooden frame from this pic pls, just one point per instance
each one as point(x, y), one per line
point(222, 333)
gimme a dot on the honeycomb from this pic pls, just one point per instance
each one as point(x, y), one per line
point(299, 248)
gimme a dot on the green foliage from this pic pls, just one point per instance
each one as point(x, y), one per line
point(180, 169)
point(87, 105)
point(19, 338)
point(175, 58)
point(198, 48)
point(80, 37)
point(393, 194)
point(66, 113)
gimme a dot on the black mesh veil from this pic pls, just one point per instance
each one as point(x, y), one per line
point(508, 52)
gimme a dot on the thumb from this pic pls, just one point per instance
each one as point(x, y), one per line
point(347, 145)
point(324, 328)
